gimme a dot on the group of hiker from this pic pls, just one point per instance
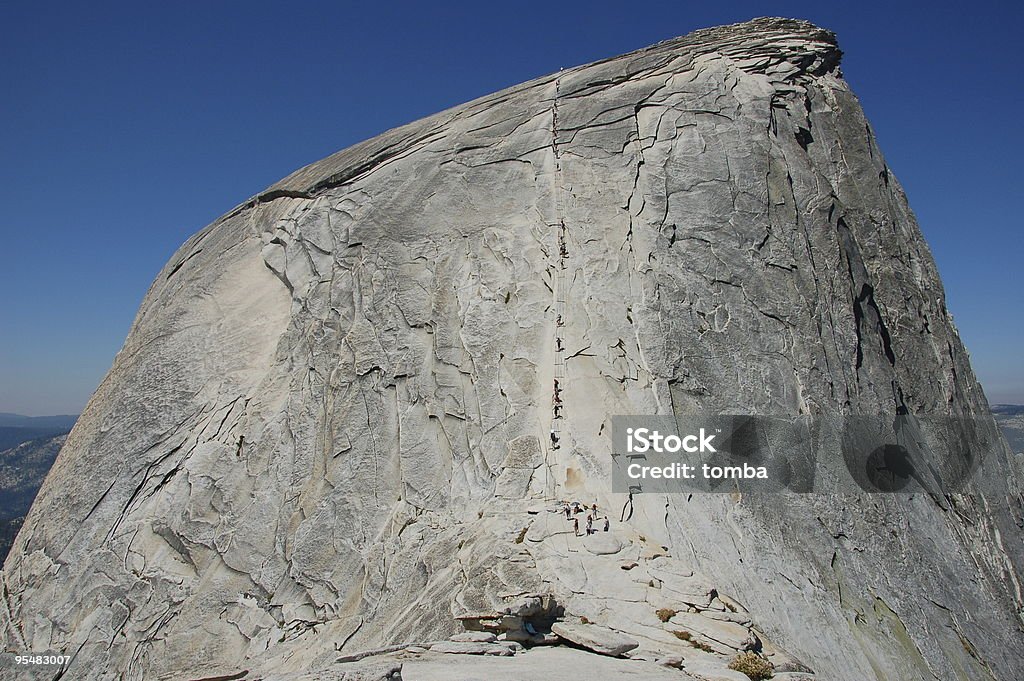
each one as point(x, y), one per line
point(573, 509)
point(556, 399)
point(556, 405)
point(563, 252)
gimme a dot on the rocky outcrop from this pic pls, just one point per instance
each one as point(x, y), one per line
point(337, 430)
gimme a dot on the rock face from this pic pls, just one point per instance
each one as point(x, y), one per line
point(329, 430)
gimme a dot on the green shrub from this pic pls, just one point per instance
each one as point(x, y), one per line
point(756, 668)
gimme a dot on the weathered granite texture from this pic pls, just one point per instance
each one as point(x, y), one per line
point(328, 431)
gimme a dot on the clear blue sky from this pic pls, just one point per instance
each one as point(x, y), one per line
point(126, 127)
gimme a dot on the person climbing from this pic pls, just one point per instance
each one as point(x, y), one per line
point(556, 399)
point(558, 320)
point(554, 439)
point(558, 389)
point(606, 524)
point(568, 514)
point(558, 345)
point(590, 524)
point(558, 409)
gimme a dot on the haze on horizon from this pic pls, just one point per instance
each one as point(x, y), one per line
point(128, 128)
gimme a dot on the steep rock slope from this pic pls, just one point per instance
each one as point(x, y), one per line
point(329, 430)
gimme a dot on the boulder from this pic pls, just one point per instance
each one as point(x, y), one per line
point(596, 638)
point(602, 544)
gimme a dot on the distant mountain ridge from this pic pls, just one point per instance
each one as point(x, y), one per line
point(20, 421)
point(16, 429)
